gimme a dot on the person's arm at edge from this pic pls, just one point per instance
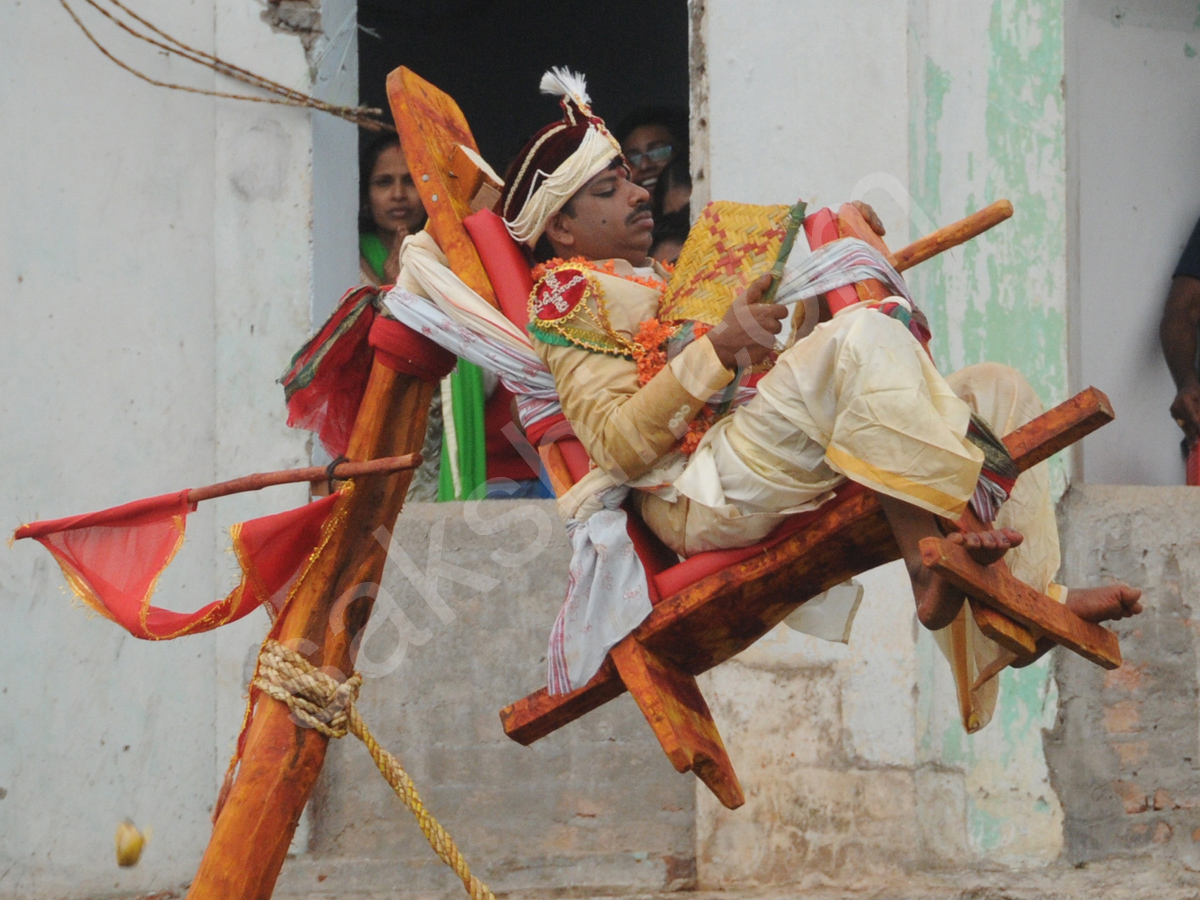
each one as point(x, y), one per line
point(1177, 333)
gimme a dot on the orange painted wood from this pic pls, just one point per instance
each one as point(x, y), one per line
point(281, 761)
point(1058, 428)
point(720, 615)
point(540, 714)
point(1004, 631)
point(1001, 629)
point(1019, 601)
point(431, 127)
point(952, 235)
point(678, 715)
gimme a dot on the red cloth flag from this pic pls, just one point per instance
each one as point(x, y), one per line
point(112, 560)
point(326, 380)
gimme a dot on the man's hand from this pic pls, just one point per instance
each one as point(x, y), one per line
point(747, 333)
point(869, 214)
point(1186, 411)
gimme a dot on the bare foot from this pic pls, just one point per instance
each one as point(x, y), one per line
point(987, 547)
point(1103, 604)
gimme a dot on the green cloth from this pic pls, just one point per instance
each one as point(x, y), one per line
point(467, 400)
point(374, 251)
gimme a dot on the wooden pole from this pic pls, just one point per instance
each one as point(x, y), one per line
point(282, 760)
point(341, 472)
point(952, 235)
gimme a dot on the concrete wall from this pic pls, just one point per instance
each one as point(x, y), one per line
point(1123, 751)
point(1133, 89)
point(156, 273)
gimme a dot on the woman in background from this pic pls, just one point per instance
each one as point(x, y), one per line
point(389, 209)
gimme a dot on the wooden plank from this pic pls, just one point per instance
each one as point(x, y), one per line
point(1003, 630)
point(671, 701)
point(431, 127)
point(720, 615)
point(281, 761)
point(1058, 428)
point(1019, 601)
point(540, 713)
point(952, 235)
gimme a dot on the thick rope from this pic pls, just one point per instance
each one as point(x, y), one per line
point(319, 701)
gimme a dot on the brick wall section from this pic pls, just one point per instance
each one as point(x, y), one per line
point(1123, 754)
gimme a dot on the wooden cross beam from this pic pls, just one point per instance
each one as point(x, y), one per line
point(722, 614)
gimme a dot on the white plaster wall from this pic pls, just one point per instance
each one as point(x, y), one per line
point(155, 276)
point(1134, 88)
point(781, 123)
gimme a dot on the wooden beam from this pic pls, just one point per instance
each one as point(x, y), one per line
point(952, 235)
point(281, 760)
point(1059, 428)
point(541, 713)
point(1019, 601)
point(1003, 630)
point(671, 701)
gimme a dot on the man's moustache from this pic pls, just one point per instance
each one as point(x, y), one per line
point(638, 210)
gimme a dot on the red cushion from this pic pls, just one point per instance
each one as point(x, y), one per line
point(505, 264)
point(503, 458)
point(821, 228)
point(692, 569)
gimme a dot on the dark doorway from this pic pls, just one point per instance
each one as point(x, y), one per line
point(490, 54)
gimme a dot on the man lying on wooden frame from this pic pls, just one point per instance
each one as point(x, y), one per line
point(858, 398)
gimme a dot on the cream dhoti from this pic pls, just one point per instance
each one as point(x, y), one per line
point(860, 399)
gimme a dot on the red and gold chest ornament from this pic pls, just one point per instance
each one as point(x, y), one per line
point(566, 308)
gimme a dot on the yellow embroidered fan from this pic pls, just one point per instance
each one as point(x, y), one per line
point(730, 246)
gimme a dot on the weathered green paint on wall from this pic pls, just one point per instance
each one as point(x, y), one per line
point(1000, 298)
point(927, 182)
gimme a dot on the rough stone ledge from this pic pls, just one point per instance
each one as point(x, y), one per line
point(1127, 879)
point(1130, 879)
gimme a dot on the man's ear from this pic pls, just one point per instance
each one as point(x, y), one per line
point(558, 230)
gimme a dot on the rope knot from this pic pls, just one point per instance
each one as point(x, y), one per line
point(317, 700)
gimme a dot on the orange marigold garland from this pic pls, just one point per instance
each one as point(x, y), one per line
point(650, 354)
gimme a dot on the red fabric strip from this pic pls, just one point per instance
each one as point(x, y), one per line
point(113, 558)
point(403, 350)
